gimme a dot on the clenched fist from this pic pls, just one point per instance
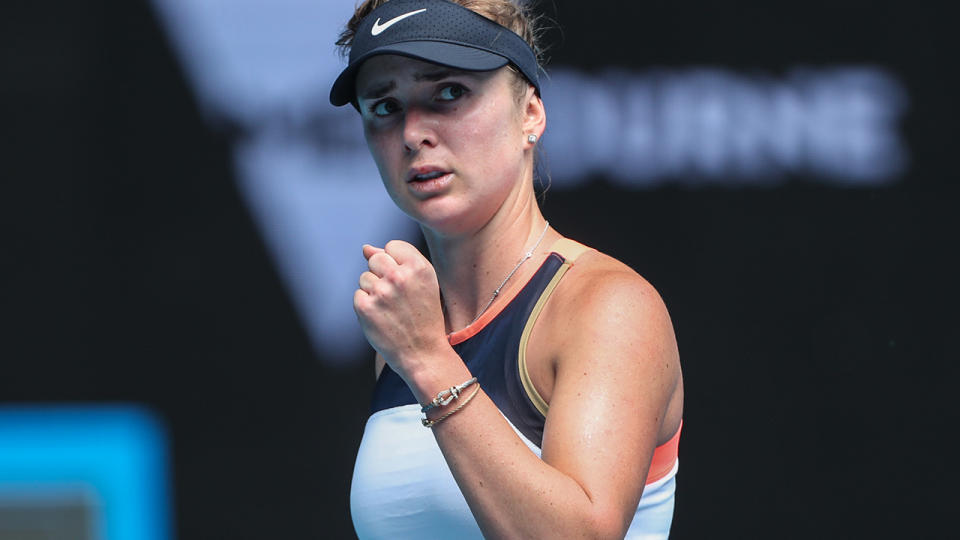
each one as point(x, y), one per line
point(398, 305)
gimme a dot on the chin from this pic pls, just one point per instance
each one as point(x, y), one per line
point(445, 219)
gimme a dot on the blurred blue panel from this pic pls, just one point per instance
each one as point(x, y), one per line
point(112, 457)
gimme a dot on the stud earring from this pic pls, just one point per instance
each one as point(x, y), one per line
point(531, 138)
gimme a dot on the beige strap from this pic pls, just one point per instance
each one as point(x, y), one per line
point(569, 250)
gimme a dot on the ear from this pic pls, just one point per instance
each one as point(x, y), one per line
point(534, 114)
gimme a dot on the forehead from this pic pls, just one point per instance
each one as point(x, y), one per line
point(386, 69)
point(386, 66)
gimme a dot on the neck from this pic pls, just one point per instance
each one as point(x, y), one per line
point(471, 266)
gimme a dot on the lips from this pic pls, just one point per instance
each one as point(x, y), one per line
point(428, 176)
point(425, 173)
point(428, 181)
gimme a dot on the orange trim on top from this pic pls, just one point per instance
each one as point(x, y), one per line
point(476, 326)
point(664, 457)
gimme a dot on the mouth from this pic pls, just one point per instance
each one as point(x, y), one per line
point(428, 181)
point(428, 176)
point(425, 174)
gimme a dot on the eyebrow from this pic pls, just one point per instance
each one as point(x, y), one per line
point(379, 91)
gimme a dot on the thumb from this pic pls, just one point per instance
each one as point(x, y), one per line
point(368, 251)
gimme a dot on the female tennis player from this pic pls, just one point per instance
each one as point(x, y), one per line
point(528, 386)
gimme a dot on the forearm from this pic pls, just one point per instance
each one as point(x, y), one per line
point(511, 492)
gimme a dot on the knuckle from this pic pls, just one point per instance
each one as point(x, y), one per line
point(359, 301)
point(382, 289)
point(396, 275)
point(423, 269)
point(394, 244)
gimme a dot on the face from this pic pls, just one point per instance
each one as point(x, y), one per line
point(450, 145)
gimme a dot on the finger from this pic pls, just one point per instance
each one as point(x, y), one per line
point(367, 281)
point(403, 252)
point(359, 301)
point(381, 264)
point(369, 250)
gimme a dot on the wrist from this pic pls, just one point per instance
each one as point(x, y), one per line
point(436, 374)
point(445, 397)
point(448, 407)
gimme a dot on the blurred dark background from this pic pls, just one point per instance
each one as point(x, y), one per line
point(816, 322)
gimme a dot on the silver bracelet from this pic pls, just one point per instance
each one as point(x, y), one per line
point(444, 397)
point(431, 423)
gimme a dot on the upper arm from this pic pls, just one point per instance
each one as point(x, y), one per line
point(616, 367)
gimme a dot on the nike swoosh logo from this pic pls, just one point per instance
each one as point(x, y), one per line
point(378, 28)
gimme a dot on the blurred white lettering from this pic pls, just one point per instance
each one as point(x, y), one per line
point(708, 126)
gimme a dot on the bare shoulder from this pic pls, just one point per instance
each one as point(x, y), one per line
point(604, 315)
point(601, 290)
point(607, 330)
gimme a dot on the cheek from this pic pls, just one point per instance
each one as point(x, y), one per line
point(488, 133)
point(379, 145)
point(375, 140)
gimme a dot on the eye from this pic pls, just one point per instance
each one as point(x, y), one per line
point(384, 108)
point(452, 92)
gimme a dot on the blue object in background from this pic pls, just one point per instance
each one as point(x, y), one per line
point(109, 461)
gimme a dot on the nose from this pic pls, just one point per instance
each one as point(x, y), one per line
point(419, 130)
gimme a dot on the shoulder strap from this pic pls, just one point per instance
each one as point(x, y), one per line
point(568, 249)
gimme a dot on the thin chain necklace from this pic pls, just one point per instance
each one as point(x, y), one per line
point(526, 256)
